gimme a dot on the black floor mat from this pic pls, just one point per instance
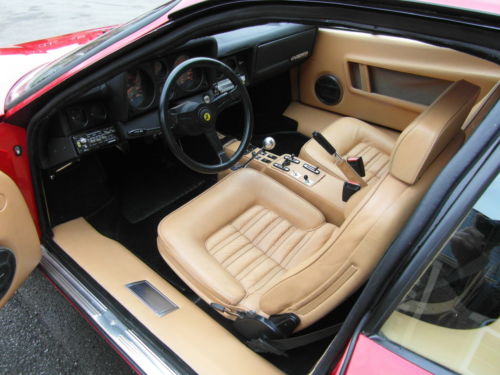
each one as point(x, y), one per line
point(149, 187)
point(287, 142)
point(144, 193)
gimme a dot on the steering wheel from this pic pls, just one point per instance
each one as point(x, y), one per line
point(197, 115)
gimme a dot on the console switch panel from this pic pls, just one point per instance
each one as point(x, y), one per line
point(311, 168)
point(95, 139)
point(282, 167)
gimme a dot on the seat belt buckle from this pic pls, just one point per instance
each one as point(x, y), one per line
point(226, 310)
point(349, 189)
point(356, 162)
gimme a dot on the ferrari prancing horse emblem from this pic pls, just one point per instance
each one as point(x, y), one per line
point(206, 116)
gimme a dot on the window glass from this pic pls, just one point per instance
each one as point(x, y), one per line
point(451, 315)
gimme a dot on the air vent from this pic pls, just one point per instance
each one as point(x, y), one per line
point(328, 89)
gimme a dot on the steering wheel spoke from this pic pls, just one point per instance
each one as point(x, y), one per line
point(172, 118)
point(226, 99)
point(213, 139)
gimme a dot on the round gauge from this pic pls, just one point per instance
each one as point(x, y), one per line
point(189, 80)
point(159, 69)
point(140, 89)
point(98, 112)
point(77, 117)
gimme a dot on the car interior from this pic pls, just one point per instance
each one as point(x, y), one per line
point(238, 190)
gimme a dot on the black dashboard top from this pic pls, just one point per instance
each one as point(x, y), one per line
point(235, 41)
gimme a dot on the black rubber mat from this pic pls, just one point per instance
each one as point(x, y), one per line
point(144, 193)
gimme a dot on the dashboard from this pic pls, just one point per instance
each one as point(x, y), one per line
point(126, 107)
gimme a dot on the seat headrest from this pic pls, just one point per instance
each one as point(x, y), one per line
point(424, 139)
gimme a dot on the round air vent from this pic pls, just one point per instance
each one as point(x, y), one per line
point(328, 89)
point(7, 269)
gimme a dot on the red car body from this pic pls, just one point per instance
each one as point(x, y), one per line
point(20, 61)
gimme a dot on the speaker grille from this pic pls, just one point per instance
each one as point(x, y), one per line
point(7, 269)
point(328, 89)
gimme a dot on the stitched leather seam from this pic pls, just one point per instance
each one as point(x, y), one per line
point(193, 279)
point(251, 267)
point(224, 242)
point(268, 229)
point(332, 239)
point(252, 221)
point(291, 255)
point(281, 240)
point(259, 210)
point(237, 253)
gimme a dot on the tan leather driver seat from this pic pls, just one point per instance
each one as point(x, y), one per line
point(353, 137)
point(249, 243)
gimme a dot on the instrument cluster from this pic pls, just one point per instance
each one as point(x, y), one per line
point(144, 83)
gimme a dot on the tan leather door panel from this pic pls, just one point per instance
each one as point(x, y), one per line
point(17, 234)
point(334, 50)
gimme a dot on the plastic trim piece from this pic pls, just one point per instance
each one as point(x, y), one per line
point(123, 338)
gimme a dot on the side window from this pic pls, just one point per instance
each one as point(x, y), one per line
point(451, 315)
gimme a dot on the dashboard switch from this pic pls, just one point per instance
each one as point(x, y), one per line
point(311, 168)
point(136, 132)
point(282, 167)
point(94, 140)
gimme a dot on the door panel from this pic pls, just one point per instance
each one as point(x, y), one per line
point(19, 243)
point(387, 80)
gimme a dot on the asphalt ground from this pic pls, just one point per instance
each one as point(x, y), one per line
point(40, 332)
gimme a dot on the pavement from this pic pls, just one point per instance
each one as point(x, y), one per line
point(40, 332)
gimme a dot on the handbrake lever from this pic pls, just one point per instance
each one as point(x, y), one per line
point(343, 165)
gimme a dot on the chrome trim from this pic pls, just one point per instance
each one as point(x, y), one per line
point(123, 338)
point(152, 297)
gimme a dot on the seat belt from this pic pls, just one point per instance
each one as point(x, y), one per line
point(280, 346)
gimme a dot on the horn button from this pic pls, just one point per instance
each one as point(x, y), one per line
point(205, 116)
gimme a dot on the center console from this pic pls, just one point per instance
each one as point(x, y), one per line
point(310, 182)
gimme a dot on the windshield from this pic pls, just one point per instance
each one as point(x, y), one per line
point(484, 6)
point(38, 79)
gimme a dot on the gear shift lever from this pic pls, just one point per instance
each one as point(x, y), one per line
point(267, 145)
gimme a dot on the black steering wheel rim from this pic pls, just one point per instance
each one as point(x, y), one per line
point(195, 121)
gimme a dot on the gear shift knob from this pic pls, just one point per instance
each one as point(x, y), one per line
point(268, 143)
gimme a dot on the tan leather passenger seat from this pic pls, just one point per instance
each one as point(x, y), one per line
point(352, 137)
point(248, 243)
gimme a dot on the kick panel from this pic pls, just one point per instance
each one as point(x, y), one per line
point(387, 80)
point(19, 244)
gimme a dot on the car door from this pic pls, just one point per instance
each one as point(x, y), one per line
point(381, 79)
point(19, 242)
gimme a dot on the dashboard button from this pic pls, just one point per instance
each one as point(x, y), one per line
point(136, 132)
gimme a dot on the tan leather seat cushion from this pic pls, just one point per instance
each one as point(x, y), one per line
point(234, 242)
point(352, 137)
